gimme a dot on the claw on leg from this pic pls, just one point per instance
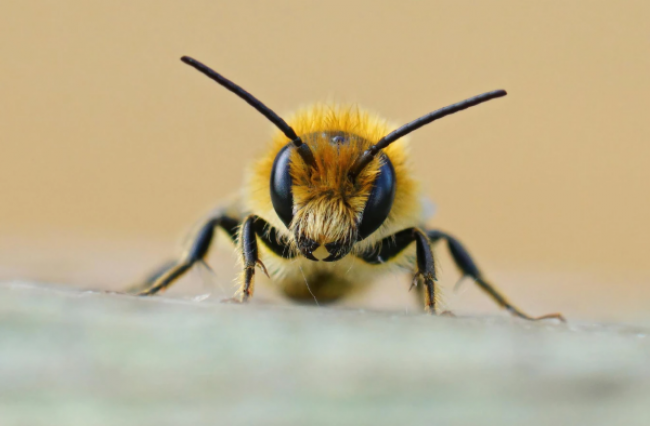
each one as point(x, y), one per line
point(262, 267)
point(414, 283)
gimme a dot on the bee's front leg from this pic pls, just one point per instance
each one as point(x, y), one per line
point(250, 256)
point(426, 269)
point(392, 246)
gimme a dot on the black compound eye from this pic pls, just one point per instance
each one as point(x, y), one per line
point(380, 200)
point(281, 182)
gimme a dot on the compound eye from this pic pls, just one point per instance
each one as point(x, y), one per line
point(281, 182)
point(380, 200)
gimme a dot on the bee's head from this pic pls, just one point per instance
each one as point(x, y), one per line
point(326, 209)
point(332, 188)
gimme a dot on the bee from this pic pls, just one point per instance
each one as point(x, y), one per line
point(331, 206)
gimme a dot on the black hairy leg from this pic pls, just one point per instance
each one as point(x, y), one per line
point(250, 254)
point(244, 232)
point(426, 273)
point(251, 229)
point(393, 245)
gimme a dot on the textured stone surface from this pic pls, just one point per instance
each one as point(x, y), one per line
point(69, 357)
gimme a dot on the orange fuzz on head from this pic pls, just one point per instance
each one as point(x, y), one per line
point(327, 205)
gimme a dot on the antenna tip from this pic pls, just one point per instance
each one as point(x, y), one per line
point(187, 60)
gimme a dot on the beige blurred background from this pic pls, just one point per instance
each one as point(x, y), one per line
point(112, 148)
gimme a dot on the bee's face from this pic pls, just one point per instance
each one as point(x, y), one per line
point(327, 211)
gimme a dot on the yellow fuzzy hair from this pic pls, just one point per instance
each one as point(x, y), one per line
point(328, 203)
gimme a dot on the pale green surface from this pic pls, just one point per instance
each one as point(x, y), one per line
point(85, 358)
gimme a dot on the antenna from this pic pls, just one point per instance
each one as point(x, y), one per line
point(372, 152)
point(303, 149)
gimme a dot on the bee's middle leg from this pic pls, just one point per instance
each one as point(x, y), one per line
point(469, 268)
point(196, 252)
